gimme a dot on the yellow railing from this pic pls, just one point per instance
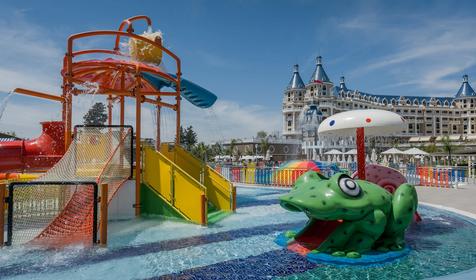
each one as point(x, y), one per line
point(176, 186)
point(220, 191)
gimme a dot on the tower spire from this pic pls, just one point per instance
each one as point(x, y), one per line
point(342, 85)
point(296, 80)
point(319, 75)
point(465, 90)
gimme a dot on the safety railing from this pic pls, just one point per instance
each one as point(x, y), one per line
point(32, 207)
point(271, 176)
point(220, 191)
point(175, 186)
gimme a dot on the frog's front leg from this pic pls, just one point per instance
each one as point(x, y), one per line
point(336, 241)
point(368, 230)
point(404, 205)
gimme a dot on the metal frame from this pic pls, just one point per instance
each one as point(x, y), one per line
point(9, 200)
point(114, 71)
point(114, 126)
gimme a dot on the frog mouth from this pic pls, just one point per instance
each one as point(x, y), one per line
point(315, 233)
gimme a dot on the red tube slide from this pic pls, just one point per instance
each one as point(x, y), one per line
point(36, 154)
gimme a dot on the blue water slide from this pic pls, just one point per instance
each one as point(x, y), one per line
point(194, 93)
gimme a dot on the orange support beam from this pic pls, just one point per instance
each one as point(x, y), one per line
point(204, 210)
point(39, 94)
point(138, 153)
point(2, 213)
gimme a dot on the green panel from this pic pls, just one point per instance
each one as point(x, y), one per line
point(215, 215)
point(153, 204)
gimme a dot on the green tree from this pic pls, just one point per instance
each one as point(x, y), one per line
point(431, 148)
point(264, 145)
point(202, 151)
point(232, 147)
point(216, 149)
point(188, 138)
point(448, 147)
point(96, 115)
point(261, 134)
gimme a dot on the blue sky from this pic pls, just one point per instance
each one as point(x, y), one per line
point(243, 51)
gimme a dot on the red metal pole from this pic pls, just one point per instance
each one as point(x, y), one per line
point(360, 153)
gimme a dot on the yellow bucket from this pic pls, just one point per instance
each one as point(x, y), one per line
point(145, 52)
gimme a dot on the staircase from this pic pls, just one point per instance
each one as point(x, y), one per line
point(185, 186)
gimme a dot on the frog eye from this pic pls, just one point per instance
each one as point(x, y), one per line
point(349, 186)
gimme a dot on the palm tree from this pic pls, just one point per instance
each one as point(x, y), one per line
point(448, 147)
point(232, 147)
point(264, 145)
point(431, 148)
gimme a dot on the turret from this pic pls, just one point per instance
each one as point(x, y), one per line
point(342, 86)
point(465, 90)
point(296, 81)
point(319, 75)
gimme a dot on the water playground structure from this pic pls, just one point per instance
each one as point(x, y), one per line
point(353, 217)
point(88, 168)
point(68, 186)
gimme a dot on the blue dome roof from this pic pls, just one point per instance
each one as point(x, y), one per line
point(465, 90)
point(311, 116)
point(319, 74)
point(342, 84)
point(296, 81)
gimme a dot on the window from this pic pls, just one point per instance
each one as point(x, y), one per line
point(289, 123)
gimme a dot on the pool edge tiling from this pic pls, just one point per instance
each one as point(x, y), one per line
point(240, 246)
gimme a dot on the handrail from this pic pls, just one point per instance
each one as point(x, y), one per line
point(70, 53)
point(178, 168)
point(129, 21)
point(98, 180)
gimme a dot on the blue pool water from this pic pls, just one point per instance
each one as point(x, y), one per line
point(239, 247)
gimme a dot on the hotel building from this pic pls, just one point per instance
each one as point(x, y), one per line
point(428, 118)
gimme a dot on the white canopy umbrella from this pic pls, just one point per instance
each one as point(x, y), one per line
point(392, 151)
point(375, 123)
point(369, 122)
point(351, 152)
point(373, 156)
point(415, 152)
point(333, 152)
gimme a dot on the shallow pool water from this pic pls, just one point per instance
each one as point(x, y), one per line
point(239, 247)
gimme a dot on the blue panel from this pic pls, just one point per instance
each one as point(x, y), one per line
point(194, 93)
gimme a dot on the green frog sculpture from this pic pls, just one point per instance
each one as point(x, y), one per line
point(348, 217)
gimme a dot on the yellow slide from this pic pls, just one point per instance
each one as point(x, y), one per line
point(193, 189)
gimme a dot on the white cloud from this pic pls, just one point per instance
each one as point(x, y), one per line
point(30, 59)
point(423, 55)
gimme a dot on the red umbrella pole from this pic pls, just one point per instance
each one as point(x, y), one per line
point(360, 153)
